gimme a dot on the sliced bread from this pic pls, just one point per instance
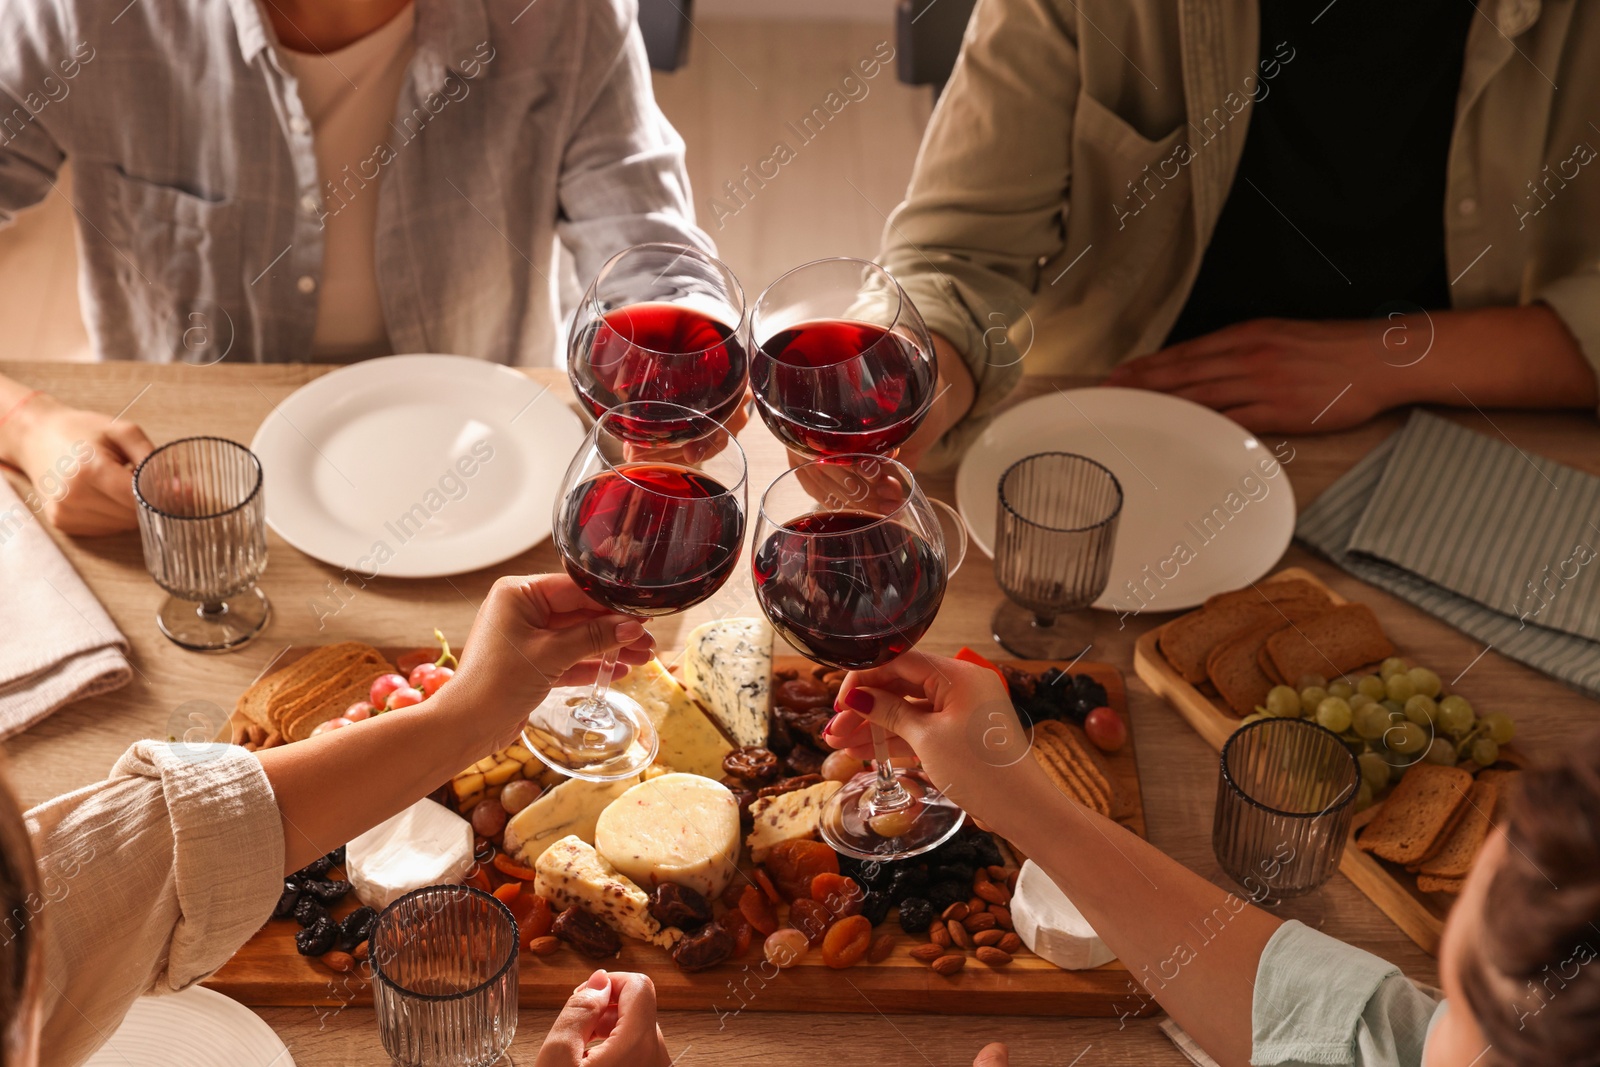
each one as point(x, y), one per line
point(1272, 592)
point(1416, 818)
point(1454, 856)
point(1234, 670)
point(1335, 642)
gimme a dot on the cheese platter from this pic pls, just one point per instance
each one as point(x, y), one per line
point(722, 828)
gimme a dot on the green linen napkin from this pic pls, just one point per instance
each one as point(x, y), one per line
point(1503, 545)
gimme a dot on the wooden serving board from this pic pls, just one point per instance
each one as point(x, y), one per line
point(1394, 889)
point(268, 970)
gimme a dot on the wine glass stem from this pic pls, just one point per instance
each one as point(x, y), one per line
point(595, 712)
point(890, 795)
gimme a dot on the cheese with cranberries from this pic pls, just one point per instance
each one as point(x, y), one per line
point(571, 807)
point(678, 828)
point(727, 667)
point(788, 816)
point(571, 873)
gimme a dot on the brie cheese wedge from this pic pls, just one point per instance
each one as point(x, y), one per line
point(1051, 925)
point(424, 845)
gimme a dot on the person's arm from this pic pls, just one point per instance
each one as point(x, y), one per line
point(984, 207)
point(1287, 376)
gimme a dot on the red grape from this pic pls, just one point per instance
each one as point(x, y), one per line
point(385, 684)
point(1106, 729)
point(418, 679)
point(403, 698)
point(488, 817)
point(330, 725)
point(361, 709)
point(430, 684)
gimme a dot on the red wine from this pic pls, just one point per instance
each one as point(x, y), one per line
point(832, 387)
point(849, 589)
point(662, 353)
point(650, 539)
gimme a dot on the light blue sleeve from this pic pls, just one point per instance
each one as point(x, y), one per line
point(1322, 1002)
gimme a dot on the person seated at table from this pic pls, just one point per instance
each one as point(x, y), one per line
point(306, 181)
point(1276, 210)
point(1518, 961)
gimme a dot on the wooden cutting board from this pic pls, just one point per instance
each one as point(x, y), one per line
point(268, 971)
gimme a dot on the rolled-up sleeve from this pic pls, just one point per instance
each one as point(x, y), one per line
point(149, 882)
point(1576, 300)
point(1322, 1002)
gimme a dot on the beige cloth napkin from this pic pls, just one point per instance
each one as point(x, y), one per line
point(57, 644)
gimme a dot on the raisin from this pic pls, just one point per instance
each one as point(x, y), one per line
point(321, 936)
point(587, 935)
point(803, 760)
point(810, 917)
point(317, 867)
point(908, 882)
point(876, 907)
point(680, 906)
point(943, 894)
point(327, 890)
point(290, 897)
point(309, 910)
point(751, 764)
point(357, 927)
point(916, 915)
point(788, 785)
point(962, 873)
point(847, 942)
point(704, 948)
point(793, 864)
point(337, 856)
point(802, 694)
point(987, 851)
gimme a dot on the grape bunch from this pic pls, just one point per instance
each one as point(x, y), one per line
point(1391, 720)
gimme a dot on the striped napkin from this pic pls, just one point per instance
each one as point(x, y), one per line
point(1503, 545)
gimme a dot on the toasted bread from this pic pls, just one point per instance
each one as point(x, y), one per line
point(1187, 640)
point(1334, 643)
point(1272, 592)
point(1268, 668)
point(1233, 669)
point(1427, 883)
point(319, 704)
point(312, 672)
point(1416, 818)
point(1454, 856)
point(255, 703)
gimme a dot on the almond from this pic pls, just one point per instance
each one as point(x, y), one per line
point(955, 912)
point(543, 946)
point(929, 952)
point(1002, 917)
point(1010, 943)
point(959, 935)
point(988, 937)
point(881, 947)
point(1011, 880)
point(998, 873)
point(981, 921)
point(994, 957)
point(339, 961)
point(993, 893)
point(976, 904)
point(939, 934)
point(948, 965)
point(363, 950)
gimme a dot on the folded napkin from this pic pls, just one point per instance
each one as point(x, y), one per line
point(57, 644)
point(1501, 544)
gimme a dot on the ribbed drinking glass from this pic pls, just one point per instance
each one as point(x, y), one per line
point(202, 521)
point(444, 965)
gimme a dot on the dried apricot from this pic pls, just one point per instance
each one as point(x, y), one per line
point(811, 918)
point(840, 895)
point(755, 906)
point(793, 864)
point(506, 865)
point(536, 920)
point(478, 878)
point(765, 882)
point(508, 892)
point(847, 942)
point(736, 924)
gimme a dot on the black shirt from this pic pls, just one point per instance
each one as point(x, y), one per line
point(1337, 210)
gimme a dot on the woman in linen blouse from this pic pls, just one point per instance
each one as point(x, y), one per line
point(1521, 980)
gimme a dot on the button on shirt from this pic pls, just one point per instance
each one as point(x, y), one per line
point(192, 154)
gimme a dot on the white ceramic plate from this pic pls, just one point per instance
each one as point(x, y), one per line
point(416, 466)
point(1200, 509)
point(195, 1028)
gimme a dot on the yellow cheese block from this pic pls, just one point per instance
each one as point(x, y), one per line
point(690, 742)
point(679, 828)
point(572, 807)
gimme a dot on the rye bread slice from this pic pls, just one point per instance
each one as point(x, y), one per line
point(1427, 883)
point(331, 706)
point(1272, 592)
point(255, 703)
point(1418, 814)
point(318, 706)
point(1268, 668)
point(1453, 858)
point(1233, 669)
point(313, 671)
point(1334, 643)
point(1187, 640)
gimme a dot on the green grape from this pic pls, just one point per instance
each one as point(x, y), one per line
point(1485, 751)
point(1400, 687)
point(1501, 728)
point(1390, 667)
point(1441, 752)
point(1426, 681)
point(1311, 681)
point(1374, 770)
point(1373, 686)
point(1394, 708)
point(1334, 713)
point(1283, 702)
point(1454, 719)
point(1422, 710)
point(1457, 702)
point(1310, 697)
point(1357, 701)
point(1407, 738)
point(1364, 797)
point(1371, 721)
point(1341, 689)
point(1253, 717)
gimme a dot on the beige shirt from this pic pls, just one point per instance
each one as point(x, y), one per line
point(350, 98)
point(1018, 211)
point(148, 882)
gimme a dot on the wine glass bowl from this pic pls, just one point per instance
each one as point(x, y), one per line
point(660, 326)
point(841, 362)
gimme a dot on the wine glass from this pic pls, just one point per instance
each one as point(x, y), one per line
point(842, 362)
point(647, 528)
point(853, 581)
point(661, 325)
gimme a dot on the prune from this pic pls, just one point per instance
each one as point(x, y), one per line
point(704, 948)
point(876, 907)
point(802, 694)
point(874, 874)
point(308, 911)
point(916, 915)
point(744, 798)
point(751, 764)
point(680, 906)
point(908, 882)
point(779, 740)
point(788, 785)
point(943, 894)
point(1020, 684)
point(587, 935)
point(986, 853)
point(960, 873)
point(803, 760)
point(357, 927)
point(327, 890)
point(317, 867)
point(1091, 690)
point(805, 726)
point(956, 850)
point(290, 897)
point(318, 938)
point(337, 856)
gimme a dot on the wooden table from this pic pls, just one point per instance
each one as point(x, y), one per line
point(78, 744)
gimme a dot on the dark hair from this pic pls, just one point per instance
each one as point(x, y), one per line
point(1532, 974)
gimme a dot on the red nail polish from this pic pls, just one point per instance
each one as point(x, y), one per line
point(859, 700)
point(828, 729)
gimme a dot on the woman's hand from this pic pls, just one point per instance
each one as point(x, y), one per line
point(80, 463)
point(616, 1009)
point(956, 717)
point(994, 1054)
point(532, 634)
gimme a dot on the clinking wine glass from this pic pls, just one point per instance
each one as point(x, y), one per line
point(854, 580)
point(661, 326)
point(842, 363)
point(646, 528)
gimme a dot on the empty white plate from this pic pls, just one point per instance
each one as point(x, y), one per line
point(195, 1028)
point(416, 466)
point(1206, 506)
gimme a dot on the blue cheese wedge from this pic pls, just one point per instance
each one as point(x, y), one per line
point(690, 743)
point(570, 808)
point(571, 873)
point(788, 817)
point(727, 667)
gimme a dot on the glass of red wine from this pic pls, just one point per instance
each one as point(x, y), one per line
point(661, 327)
point(646, 528)
point(842, 362)
point(853, 581)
